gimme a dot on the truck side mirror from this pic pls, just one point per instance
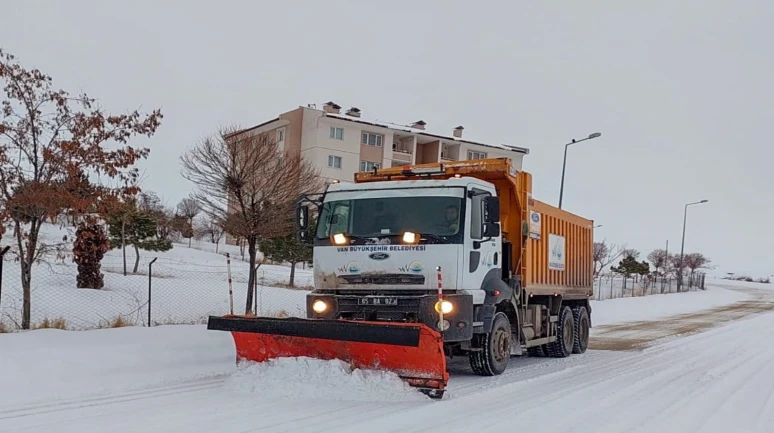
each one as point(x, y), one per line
point(302, 223)
point(491, 210)
point(491, 230)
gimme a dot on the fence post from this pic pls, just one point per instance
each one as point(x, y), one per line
point(150, 281)
point(255, 289)
point(2, 259)
point(611, 289)
point(230, 291)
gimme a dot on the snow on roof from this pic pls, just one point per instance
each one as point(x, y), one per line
point(406, 128)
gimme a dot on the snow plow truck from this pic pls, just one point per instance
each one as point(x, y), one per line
point(418, 263)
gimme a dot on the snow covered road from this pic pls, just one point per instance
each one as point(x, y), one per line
point(718, 379)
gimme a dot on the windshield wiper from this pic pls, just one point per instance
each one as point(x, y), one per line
point(433, 237)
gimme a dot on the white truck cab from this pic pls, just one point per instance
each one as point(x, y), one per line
point(380, 247)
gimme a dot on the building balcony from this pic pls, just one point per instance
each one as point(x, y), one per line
point(401, 155)
point(448, 157)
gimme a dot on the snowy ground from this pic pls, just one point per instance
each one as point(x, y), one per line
point(188, 285)
point(659, 306)
point(183, 379)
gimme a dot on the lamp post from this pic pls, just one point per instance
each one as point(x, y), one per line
point(564, 164)
point(682, 245)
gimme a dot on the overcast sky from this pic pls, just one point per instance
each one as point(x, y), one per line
point(681, 91)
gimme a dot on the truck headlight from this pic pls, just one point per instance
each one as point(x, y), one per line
point(319, 306)
point(444, 307)
point(339, 239)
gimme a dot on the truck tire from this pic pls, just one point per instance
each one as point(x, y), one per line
point(537, 351)
point(495, 346)
point(565, 335)
point(581, 316)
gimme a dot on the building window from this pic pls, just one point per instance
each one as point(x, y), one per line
point(372, 139)
point(368, 165)
point(337, 133)
point(280, 135)
point(334, 161)
point(476, 155)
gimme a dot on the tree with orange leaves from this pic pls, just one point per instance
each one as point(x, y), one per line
point(51, 142)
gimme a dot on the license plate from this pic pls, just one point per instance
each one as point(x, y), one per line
point(378, 301)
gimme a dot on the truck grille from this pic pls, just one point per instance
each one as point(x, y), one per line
point(386, 279)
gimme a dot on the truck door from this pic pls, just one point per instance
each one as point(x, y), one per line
point(481, 255)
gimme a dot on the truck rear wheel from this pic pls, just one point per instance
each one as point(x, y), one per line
point(581, 316)
point(565, 335)
point(495, 346)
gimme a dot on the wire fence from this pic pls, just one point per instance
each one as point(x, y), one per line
point(180, 292)
point(188, 289)
point(613, 286)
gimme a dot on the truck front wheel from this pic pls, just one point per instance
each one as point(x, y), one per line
point(495, 348)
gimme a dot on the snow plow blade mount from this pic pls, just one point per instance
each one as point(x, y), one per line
point(412, 351)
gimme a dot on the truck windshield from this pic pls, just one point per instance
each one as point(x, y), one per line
point(435, 217)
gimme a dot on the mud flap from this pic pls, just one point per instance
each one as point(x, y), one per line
point(412, 351)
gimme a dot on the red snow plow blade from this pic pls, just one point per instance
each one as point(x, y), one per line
point(412, 351)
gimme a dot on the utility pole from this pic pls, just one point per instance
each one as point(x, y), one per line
point(564, 164)
point(682, 244)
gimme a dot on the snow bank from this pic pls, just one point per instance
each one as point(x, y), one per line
point(655, 307)
point(312, 379)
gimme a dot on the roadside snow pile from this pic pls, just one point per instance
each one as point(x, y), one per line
point(656, 307)
point(314, 379)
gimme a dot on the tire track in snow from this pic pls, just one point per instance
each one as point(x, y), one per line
point(669, 394)
point(641, 334)
point(107, 399)
point(579, 382)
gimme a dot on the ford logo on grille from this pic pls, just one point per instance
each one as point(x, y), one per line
point(379, 256)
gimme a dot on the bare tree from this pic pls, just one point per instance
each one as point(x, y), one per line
point(695, 261)
point(605, 254)
point(673, 264)
point(189, 208)
point(658, 258)
point(209, 227)
point(601, 251)
point(247, 185)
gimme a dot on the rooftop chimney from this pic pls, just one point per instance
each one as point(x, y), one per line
point(332, 107)
point(354, 112)
point(458, 131)
point(419, 124)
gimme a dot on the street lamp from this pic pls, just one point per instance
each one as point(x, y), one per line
point(564, 164)
point(682, 245)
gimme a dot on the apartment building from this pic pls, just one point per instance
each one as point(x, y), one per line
point(343, 143)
